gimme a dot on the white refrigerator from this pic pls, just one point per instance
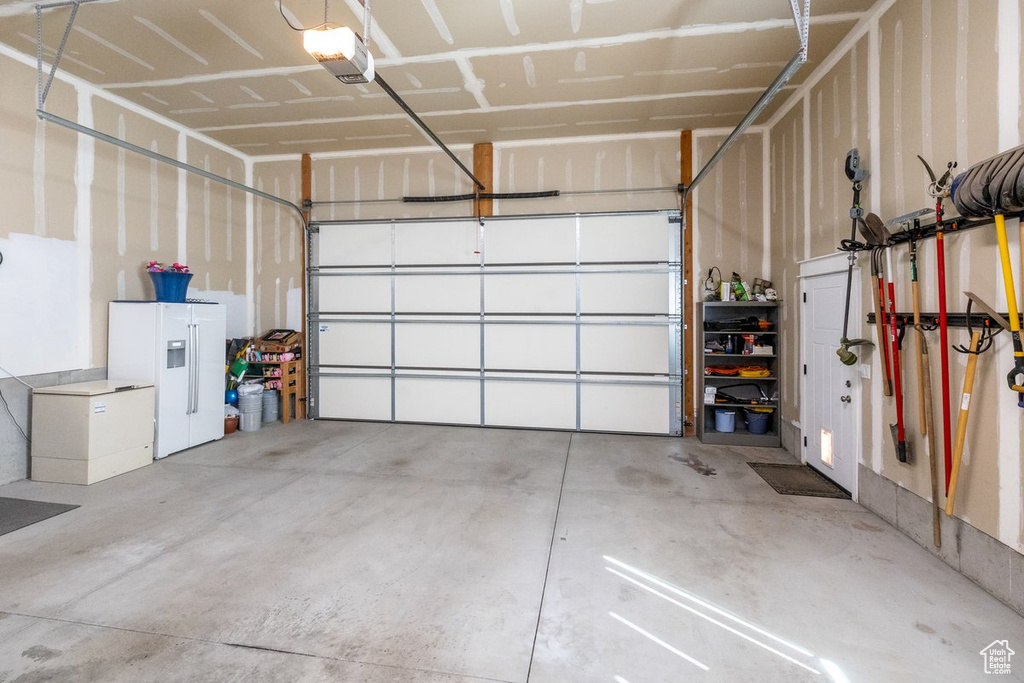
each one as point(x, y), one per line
point(179, 348)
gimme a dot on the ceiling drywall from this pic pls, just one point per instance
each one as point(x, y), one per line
point(474, 70)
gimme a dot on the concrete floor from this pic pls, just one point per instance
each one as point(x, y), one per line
point(331, 551)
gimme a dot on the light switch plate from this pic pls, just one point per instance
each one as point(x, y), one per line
point(865, 371)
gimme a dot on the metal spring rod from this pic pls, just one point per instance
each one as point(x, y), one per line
point(470, 197)
point(78, 128)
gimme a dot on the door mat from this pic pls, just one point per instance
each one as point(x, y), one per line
point(797, 480)
point(16, 513)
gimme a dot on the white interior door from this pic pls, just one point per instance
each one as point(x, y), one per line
point(563, 322)
point(831, 397)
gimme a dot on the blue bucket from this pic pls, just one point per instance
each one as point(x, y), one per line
point(725, 420)
point(170, 287)
point(758, 423)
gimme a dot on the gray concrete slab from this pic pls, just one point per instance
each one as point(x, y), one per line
point(370, 552)
point(58, 651)
point(415, 574)
point(859, 595)
point(122, 524)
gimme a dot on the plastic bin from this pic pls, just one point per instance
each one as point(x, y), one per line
point(250, 422)
point(725, 420)
point(758, 422)
point(170, 287)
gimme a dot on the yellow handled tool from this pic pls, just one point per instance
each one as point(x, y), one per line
point(1015, 378)
point(961, 422)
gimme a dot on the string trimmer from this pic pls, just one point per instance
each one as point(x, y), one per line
point(856, 175)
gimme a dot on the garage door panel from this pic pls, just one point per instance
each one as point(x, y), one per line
point(531, 294)
point(453, 401)
point(626, 238)
point(544, 405)
point(355, 245)
point(445, 242)
point(369, 294)
point(625, 408)
point(645, 293)
point(437, 346)
point(641, 349)
point(541, 240)
point(355, 344)
point(531, 347)
point(355, 398)
point(438, 294)
point(438, 302)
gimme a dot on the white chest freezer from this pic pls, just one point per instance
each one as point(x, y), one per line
point(86, 432)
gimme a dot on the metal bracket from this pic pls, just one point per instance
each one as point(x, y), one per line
point(43, 91)
point(802, 19)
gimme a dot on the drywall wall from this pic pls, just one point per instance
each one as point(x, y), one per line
point(728, 211)
point(278, 243)
point(79, 219)
point(924, 78)
point(370, 185)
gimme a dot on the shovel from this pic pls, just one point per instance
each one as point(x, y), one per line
point(875, 234)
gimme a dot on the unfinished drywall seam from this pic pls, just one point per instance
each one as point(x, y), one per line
point(962, 151)
point(530, 106)
point(122, 180)
point(689, 31)
point(1009, 47)
point(766, 204)
point(85, 170)
point(807, 174)
point(926, 80)
point(874, 198)
point(39, 179)
point(897, 118)
point(250, 276)
point(82, 85)
point(182, 199)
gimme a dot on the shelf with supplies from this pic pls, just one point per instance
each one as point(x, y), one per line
point(735, 337)
point(277, 359)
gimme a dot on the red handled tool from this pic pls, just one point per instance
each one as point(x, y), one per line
point(940, 189)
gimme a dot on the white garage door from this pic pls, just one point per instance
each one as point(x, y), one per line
point(558, 322)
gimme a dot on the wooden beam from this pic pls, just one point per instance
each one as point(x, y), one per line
point(686, 177)
point(483, 169)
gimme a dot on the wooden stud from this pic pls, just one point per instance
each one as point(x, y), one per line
point(483, 169)
point(686, 177)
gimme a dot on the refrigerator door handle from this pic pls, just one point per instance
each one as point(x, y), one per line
point(191, 368)
point(195, 371)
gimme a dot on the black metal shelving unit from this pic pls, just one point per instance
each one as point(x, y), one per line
point(713, 312)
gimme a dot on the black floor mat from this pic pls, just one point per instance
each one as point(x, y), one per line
point(16, 513)
point(797, 480)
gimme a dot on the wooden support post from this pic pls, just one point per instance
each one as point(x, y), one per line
point(483, 169)
point(686, 177)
